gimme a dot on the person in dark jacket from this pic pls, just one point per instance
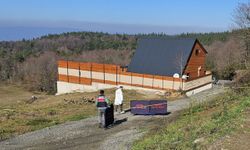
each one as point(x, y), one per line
point(102, 103)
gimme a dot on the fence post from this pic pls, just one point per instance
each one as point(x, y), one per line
point(91, 73)
point(162, 83)
point(173, 84)
point(142, 80)
point(153, 82)
point(116, 75)
point(79, 73)
point(104, 73)
point(67, 71)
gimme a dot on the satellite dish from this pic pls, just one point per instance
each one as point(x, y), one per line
point(184, 77)
point(176, 75)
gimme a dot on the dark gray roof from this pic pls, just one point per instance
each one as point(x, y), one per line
point(161, 56)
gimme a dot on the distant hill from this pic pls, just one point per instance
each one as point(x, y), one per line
point(18, 33)
point(77, 42)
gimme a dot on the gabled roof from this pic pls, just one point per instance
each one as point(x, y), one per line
point(161, 56)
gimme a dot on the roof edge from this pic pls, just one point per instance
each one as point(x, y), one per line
point(189, 55)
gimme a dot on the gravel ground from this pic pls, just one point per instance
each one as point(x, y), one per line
point(85, 134)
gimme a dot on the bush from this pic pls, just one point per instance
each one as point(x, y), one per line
point(40, 73)
point(243, 78)
point(228, 73)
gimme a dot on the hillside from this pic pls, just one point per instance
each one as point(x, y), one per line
point(33, 62)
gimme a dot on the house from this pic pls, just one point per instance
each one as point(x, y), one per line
point(159, 64)
point(168, 56)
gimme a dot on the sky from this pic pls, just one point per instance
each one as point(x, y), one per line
point(20, 17)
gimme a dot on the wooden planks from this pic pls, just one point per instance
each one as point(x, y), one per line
point(87, 73)
point(195, 61)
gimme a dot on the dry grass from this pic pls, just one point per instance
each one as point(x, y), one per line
point(18, 117)
point(10, 94)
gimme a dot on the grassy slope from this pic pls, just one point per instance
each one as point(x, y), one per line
point(200, 125)
point(238, 139)
point(18, 117)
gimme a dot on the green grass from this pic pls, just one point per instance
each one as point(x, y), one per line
point(76, 117)
point(38, 121)
point(207, 122)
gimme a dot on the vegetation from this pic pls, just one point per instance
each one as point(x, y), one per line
point(200, 125)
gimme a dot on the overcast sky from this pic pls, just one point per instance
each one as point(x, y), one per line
point(35, 17)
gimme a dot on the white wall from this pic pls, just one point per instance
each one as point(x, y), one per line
point(200, 89)
point(197, 82)
point(65, 87)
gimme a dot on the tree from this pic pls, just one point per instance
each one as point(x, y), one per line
point(241, 15)
point(180, 62)
point(241, 18)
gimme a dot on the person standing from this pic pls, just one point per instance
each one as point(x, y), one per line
point(102, 103)
point(119, 99)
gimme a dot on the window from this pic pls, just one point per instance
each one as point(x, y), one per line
point(197, 52)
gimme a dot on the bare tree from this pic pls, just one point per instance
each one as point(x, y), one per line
point(40, 73)
point(180, 62)
point(241, 15)
point(110, 56)
point(241, 18)
point(225, 55)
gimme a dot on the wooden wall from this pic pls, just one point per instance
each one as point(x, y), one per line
point(196, 61)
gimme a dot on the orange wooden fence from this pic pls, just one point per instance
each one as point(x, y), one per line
point(87, 73)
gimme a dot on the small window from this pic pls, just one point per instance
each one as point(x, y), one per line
point(197, 52)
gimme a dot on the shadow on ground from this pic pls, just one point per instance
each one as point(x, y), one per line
point(120, 121)
point(168, 113)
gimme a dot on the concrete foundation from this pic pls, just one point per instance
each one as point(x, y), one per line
point(200, 89)
point(65, 87)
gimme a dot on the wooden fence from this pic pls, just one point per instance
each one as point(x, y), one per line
point(87, 73)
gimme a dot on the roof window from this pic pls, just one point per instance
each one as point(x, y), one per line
point(197, 52)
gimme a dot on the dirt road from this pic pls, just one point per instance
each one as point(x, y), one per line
point(85, 134)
